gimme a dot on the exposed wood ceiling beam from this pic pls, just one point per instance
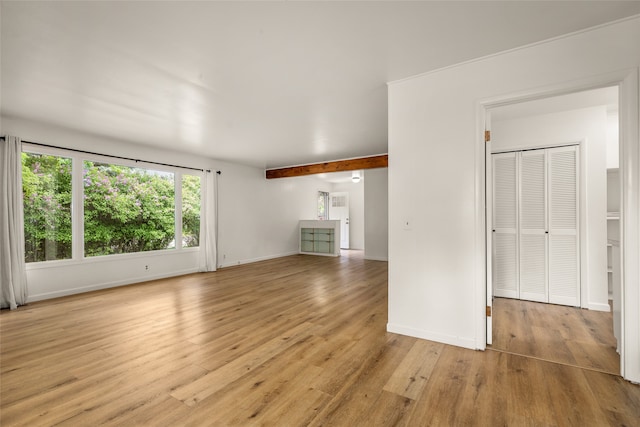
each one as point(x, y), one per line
point(381, 161)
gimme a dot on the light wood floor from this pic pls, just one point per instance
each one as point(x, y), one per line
point(295, 341)
point(557, 333)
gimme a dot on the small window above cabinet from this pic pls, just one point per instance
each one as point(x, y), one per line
point(319, 237)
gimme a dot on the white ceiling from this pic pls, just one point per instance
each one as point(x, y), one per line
point(267, 84)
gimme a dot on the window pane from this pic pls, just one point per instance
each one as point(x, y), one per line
point(46, 189)
point(323, 205)
point(127, 209)
point(190, 211)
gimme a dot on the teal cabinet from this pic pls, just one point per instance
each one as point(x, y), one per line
point(320, 240)
point(319, 237)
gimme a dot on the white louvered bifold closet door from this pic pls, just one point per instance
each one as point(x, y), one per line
point(564, 255)
point(536, 252)
point(505, 225)
point(533, 226)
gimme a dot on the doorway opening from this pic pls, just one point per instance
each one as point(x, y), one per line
point(585, 336)
point(341, 197)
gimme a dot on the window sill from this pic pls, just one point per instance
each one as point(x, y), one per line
point(107, 258)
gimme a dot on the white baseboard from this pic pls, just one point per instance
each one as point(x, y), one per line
point(375, 258)
point(469, 343)
point(599, 307)
point(249, 261)
point(106, 285)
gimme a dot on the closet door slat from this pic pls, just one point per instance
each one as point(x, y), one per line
point(505, 226)
point(533, 226)
point(564, 254)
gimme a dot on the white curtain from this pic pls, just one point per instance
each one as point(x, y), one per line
point(208, 251)
point(13, 275)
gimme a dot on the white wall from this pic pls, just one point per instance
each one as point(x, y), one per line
point(437, 287)
point(587, 126)
point(257, 219)
point(376, 207)
point(613, 139)
point(356, 211)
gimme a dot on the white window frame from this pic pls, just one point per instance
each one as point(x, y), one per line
point(77, 205)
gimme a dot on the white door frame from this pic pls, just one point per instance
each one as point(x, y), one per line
point(627, 82)
point(488, 199)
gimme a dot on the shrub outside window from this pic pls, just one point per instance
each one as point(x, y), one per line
point(46, 190)
point(190, 211)
point(127, 209)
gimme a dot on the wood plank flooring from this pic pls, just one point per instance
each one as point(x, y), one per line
point(557, 333)
point(295, 341)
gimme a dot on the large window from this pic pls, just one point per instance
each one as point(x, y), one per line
point(46, 189)
point(119, 209)
point(127, 209)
